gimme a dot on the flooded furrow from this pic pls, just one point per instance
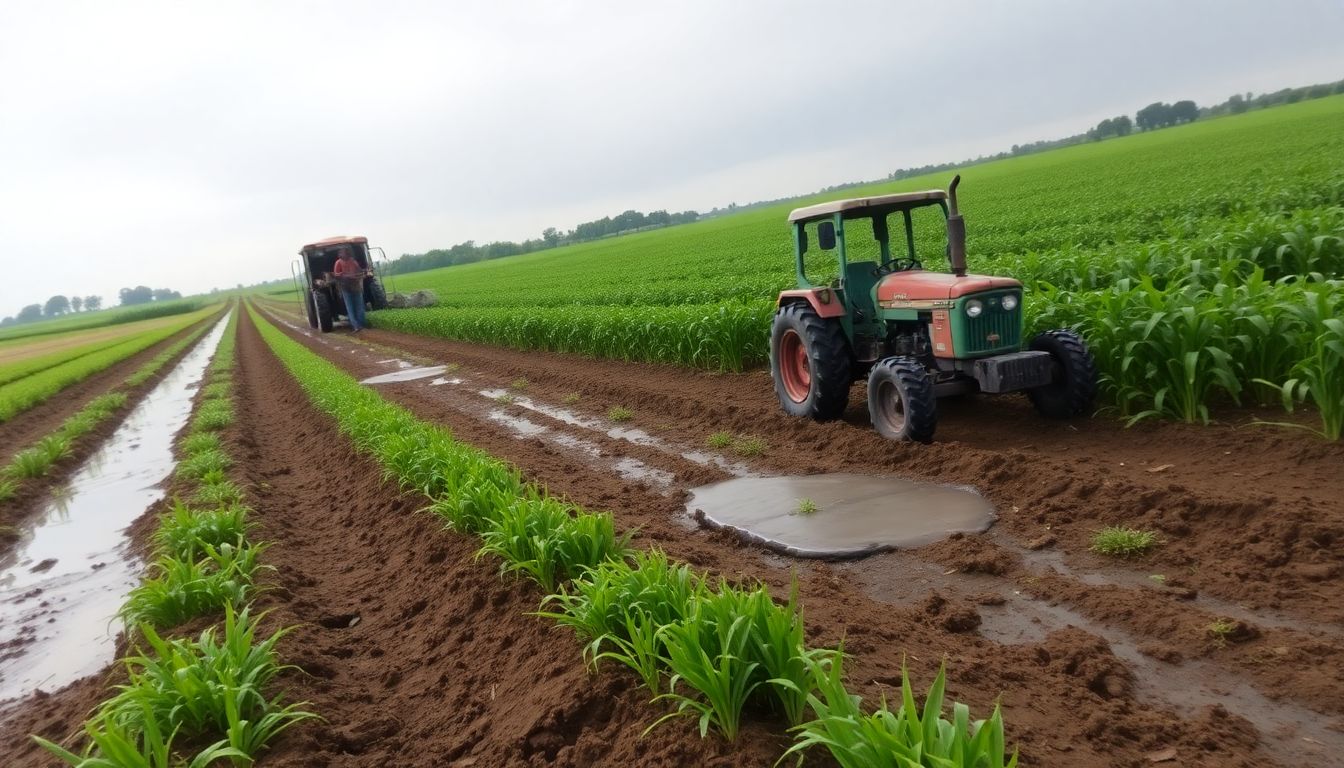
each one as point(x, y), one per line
point(62, 585)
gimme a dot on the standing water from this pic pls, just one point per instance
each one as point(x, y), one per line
point(61, 587)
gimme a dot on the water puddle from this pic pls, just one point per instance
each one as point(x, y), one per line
point(628, 434)
point(406, 374)
point(1296, 733)
point(62, 585)
point(439, 382)
point(626, 467)
point(854, 515)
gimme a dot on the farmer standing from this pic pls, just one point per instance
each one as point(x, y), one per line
point(350, 280)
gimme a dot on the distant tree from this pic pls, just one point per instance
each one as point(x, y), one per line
point(76, 302)
point(1155, 115)
point(7, 321)
point(165, 294)
point(1237, 104)
point(1123, 125)
point(551, 237)
point(1183, 112)
point(57, 305)
point(93, 303)
point(30, 313)
point(140, 294)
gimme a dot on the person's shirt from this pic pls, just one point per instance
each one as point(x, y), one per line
point(349, 274)
point(348, 267)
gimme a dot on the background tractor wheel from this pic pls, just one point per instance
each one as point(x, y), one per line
point(377, 296)
point(322, 304)
point(312, 316)
point(901, 401)
point(810, 363)
point(1075, 379)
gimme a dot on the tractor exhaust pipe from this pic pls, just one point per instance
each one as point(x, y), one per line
point(956, 232)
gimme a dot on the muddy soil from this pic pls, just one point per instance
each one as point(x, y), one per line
point(996, 604)
point(416, 654)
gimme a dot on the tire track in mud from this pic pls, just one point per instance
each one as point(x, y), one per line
point(986, 584)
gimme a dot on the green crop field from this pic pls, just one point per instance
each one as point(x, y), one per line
point(23, 393)
point(84, 320)
point(1221, 239)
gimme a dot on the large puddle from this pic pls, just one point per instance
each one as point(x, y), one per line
point(62, 585)
point(406, 374)
point(840, 515)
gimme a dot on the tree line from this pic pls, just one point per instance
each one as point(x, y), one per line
point(59, 305)
point(468, 252)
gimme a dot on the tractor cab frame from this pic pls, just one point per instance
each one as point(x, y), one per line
point(915, 333)
point(323, 303)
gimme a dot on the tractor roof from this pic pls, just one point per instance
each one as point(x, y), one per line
point(902, 200)
point(334, 241)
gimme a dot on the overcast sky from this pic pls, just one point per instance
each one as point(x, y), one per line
point(190, 145)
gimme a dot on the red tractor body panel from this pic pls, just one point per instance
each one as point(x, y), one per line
point(918, 285)
point(823, 301)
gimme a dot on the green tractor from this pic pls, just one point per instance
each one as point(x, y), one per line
point(917, 335)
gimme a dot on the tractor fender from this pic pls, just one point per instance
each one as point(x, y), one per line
point(824, 301)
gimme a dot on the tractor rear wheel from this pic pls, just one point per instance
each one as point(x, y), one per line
point(901, 402)
point(1074, 385)
point(322, 304)
point(312, 317)
point(810, 363)
point(377, 296)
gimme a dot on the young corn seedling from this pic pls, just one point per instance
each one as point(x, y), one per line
point(114, 744)
point(806, 507)
point(201, 442)
point(196, 466)
point(909, 736)
point(620, 413)
point(571, 398)
point(708, 653)
point(185, 533)
point(213, 415)
point(639, 647)
point(749, 446)
point(519, 384)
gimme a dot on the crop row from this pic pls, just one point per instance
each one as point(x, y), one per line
point(713, 650)
point(204, 696)
point(36, 460)
point(18, 396)
point(82, 321)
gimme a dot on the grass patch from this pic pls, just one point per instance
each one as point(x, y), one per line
point(201, 442)
point(504, 398)
point(8, 488)
point(213, 415)
point(197, 466)
point(520, 384)
point(571, 398)
point(1118, 541)
point(620, 413)
point(806, 507)
point(1220, 630)
point(749, 446)
point(719, 440)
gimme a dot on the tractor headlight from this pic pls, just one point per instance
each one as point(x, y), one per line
point(1009, 303)
point(974, 308)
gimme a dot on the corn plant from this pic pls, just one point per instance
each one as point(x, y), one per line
point(182, 589)
point(638, 647)
point(709, 652)
point(197, 465)
point(114, 745)
point(217, 493)
point(186, 533)
point(213, 415)
point(542, 539)
point(906, 738)
point(201, 442)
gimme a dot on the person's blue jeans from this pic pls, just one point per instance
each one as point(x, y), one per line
point(354, 308)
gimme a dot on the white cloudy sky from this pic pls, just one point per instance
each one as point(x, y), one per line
point(192, 144)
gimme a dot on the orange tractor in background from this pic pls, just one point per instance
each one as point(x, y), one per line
point(321, 297)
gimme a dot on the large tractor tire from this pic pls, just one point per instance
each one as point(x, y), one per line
point(1074, 384)
point(901, 402)
point(312, 316)
point(322, 305)
point(377, 296)
point(810, 362)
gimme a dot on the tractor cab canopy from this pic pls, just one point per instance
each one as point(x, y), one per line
point(321, 255)
point(864, 207)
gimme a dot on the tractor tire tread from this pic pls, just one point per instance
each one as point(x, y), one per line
point(829, 361)
point(921, 405)
point(1075, 395)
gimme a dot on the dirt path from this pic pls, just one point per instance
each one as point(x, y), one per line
point(1071, 642)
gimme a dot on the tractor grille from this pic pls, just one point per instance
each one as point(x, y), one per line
point(995, 329)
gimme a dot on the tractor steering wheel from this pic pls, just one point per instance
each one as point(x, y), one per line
point(899, 264)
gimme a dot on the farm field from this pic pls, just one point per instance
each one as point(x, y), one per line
point(1219, 643)
point(1231, 229)
point(489, 550)
point(83, 321)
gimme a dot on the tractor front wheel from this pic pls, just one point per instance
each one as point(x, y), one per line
point(810, 363)
point(1074, 384)
point(312, 317)
point(901, 403)
point(322, 305)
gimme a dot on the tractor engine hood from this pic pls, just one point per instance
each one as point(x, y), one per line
point(919, 285)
